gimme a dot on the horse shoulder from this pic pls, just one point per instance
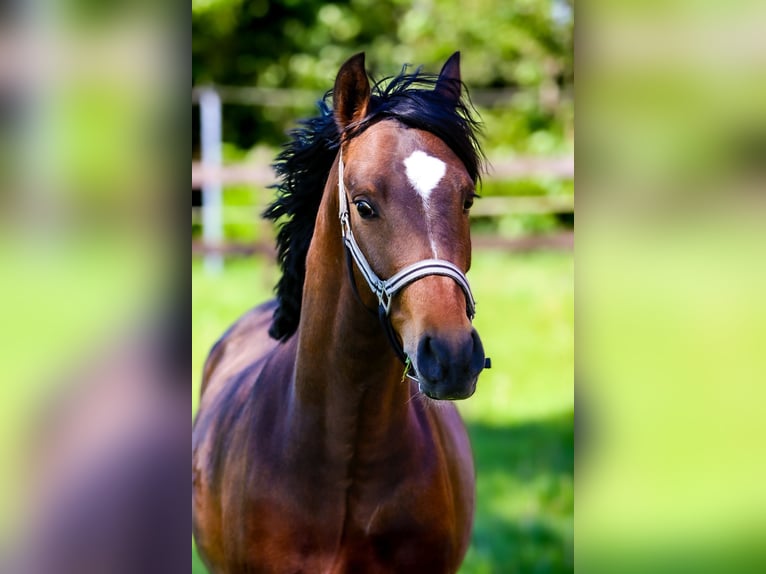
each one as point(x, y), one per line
point(230, 375)
point(243, 343)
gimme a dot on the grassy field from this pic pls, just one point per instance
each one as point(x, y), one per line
point(521, 419)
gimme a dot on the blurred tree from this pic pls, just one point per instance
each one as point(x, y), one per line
point(523, 48)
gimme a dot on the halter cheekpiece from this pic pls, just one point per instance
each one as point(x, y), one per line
point(386, 289)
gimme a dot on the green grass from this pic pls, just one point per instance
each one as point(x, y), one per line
point(520, 419)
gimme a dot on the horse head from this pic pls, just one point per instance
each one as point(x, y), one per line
point(407, 195)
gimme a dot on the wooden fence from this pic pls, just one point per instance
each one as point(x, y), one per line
point(211, 176)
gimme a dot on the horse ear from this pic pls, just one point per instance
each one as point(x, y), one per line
point(351, 93)
point(449, 84)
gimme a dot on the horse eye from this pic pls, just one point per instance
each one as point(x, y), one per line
point(364, 209)
point(468, 204)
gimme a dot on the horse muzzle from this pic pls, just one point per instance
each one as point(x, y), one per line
point(448, 367)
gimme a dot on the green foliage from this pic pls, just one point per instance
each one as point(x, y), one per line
point(524, 48)
point(520, 420)
point(520, 51)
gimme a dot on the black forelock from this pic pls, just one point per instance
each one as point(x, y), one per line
point(305, 162)
point(410, 99)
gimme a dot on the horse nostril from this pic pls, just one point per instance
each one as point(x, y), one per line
point(455, 359)
point(429, 363)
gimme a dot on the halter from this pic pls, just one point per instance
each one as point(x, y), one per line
point(386, 289)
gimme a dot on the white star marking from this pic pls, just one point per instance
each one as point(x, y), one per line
point(425, 172)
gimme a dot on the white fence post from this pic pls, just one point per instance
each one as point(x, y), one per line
point(212, 200)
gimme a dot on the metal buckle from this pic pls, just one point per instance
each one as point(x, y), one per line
point(345, 226)
point(384, 299)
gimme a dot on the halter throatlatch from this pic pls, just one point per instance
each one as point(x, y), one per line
point(386, 289)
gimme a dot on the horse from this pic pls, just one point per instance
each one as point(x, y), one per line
point(326, 440)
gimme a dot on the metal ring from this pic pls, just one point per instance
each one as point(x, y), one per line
point(385, 300)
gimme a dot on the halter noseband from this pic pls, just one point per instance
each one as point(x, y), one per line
point(386, 290)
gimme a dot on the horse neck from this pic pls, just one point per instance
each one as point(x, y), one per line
point(346, 370)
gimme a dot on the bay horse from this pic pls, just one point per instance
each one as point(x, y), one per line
point(312, 451)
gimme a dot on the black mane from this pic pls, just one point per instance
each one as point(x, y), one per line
point(304, 165)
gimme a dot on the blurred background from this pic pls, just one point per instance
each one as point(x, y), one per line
point(94, 398)
point(94, 264)
point(258, 66)
point(671, 280)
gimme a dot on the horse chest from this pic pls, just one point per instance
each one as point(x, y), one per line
point(390, 540)
point(382, 519)
point(291, 506)
point(396, 536)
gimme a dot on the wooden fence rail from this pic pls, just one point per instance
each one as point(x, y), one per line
point(261, 174)
point(211, 176)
